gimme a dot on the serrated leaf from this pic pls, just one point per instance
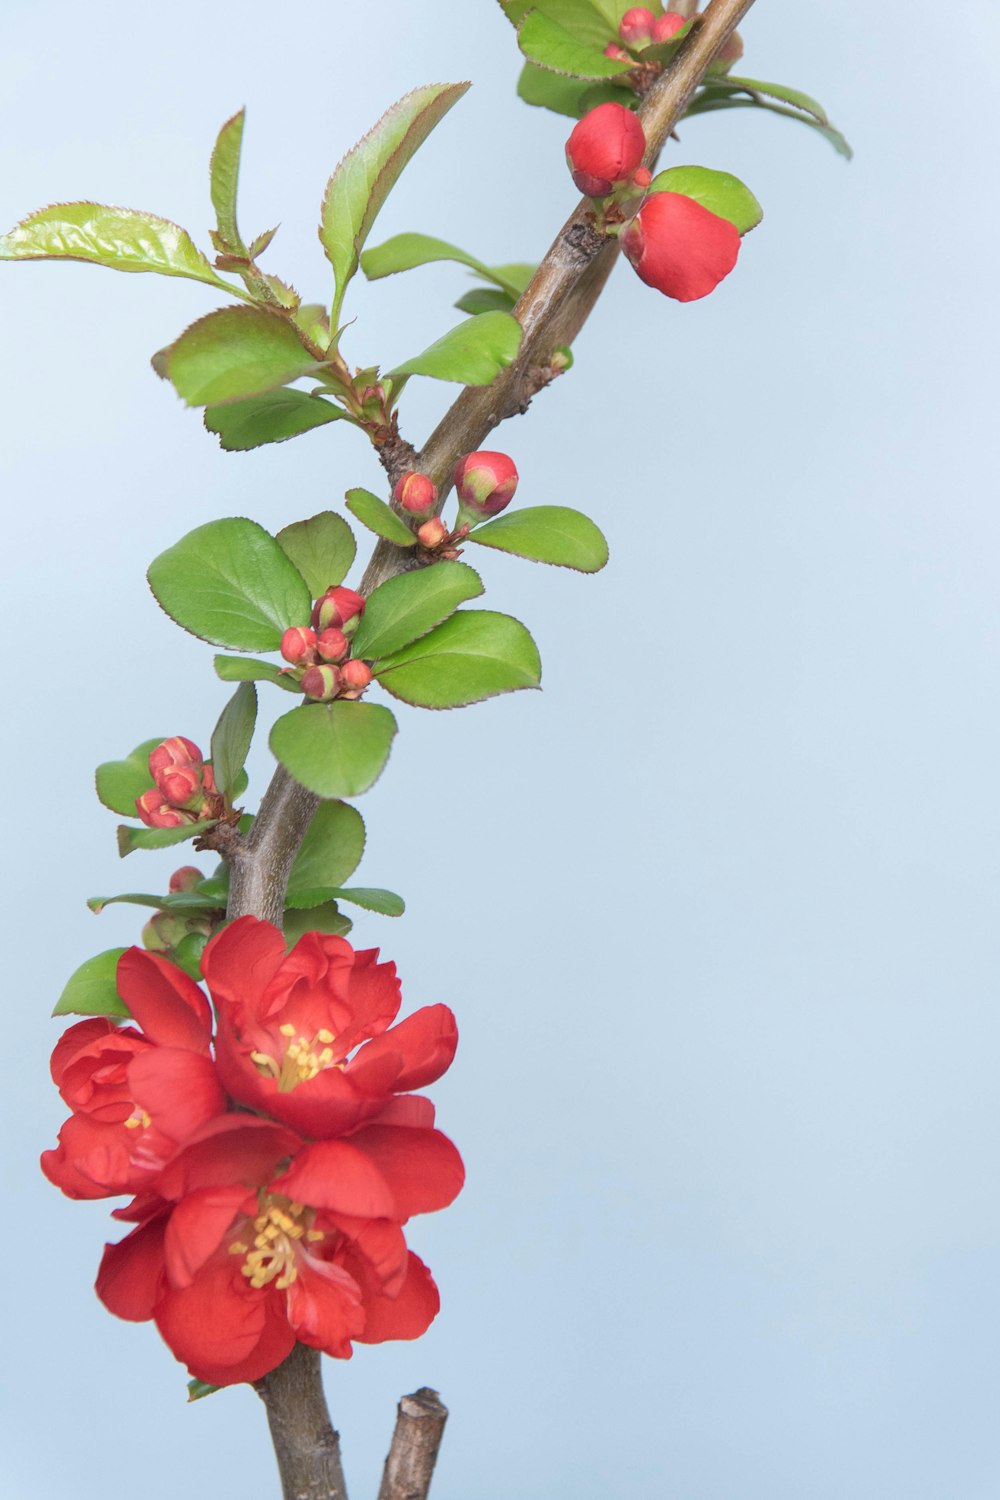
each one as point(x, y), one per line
point(334, 749)
point(379, 517)
point(408, 606)
point(485, 299)
point(473, 353)
point(728, 93)
point(549, 46)
point(232, 737)
point(273, 417)
point(474, 655)
point(224, 174)
point(331, 850)
point(321, 548)
point(547, 533)
point(158, 838)
point(720, 192)
point(365, 177)
point(326, 918)
point(406, 251)
point(120, 782)
point(234, 353)
point(371, 898)
point(553, 91)
point(92, 990)
point(240, 669)
point(123, 239)
point(230, 583)
point(589, 21)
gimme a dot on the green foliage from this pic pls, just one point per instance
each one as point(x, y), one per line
point(594, 22)
point(379, 517)
point(547, 533)
point(474, 655)
point(408, 606)
point(749, 93)
point(230, 583)
point(158, 838)
point(198, 1389)
point(273, 417)
point(91, 990)
point(224, 175)
point(120, 782)
point(327, 918)
point(405, 251)
point(385, 903)
point(334, 749)
point(720, 192)
point(121, 238)
point(331, 850)
point(231, 738)
point(239, 669)
point(234, 353)
point(473, 353)
point(365, 177)
point(548, 45)
point(322, 549)
point(190, 902)
point(485, 299)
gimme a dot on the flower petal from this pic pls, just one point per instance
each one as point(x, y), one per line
point(324, 1307)
point(130, 1281)
point(178, 1089)
point(223, 1329)
point(426, 1040)
point(336, 1175)
point(169, 1006)
point(197, 1228)
point(407, 1315)
point(228, 1150)
point(239, 962)
point(422, 1167)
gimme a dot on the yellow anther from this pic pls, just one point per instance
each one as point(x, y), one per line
point(287, 1030)
point(324, 1035)
point(239, 1247)
point(314, 1235)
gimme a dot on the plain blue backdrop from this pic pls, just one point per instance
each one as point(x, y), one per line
point(717, 909)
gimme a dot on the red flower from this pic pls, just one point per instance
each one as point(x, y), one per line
point(288, 1022)
point(260, 1240)
point(605, 147)
point(679, 247)
point(136, 1096)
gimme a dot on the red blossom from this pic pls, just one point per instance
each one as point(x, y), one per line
point(679, 247)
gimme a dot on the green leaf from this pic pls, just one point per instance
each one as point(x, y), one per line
point(379, 517)
point(120, 782)
point(728, 92)
point(92, 990)
point(720, 192)
point(334, 749)
point(230, 583)
point(224, 174)
point(239, 669)
point(187, 954)
point(232, 737)
point(182, 901)
point(473, 353)
point(405, 251)
point(408, 606)
point(158, 838)
point(485, 299)
point(363, 180)
point(371, 898)
point(547, 533)
point(552, 91)
point(273, 417)
point(234, 353)
point(325, 919)
point(121, 238)
point(592, 22)
point(782, 92)
point(474, 655)
point(548, 45)
point(321, 548)
point(198, 1389)
point(331, 851)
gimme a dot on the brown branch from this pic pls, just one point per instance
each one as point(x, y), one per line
point(420, 1420)
point(552, 310)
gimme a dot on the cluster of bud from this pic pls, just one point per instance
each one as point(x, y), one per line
point(319, 655)
point(167, 929)
point(184, 790)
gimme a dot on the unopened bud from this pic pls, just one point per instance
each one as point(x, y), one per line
point(179, 785)
point(667, 26)
point(642, 177)
point(298, 644)
point(163, 931)
point(680, 247)
point(321, 683)
point(354, 678)
point(415, 493)
point(173, 752)
point(485, 482)
point(432, 533)
point(618, 54)
point(332, 645)
point(339, 606)
point(604, 148)
point(562, 360)
point(185, 879)
point(636, 26)
point(730, 52)
point(156, 813)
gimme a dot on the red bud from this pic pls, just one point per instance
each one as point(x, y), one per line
point(298, 644)
point(636, 27)
point(156, 813)
point(333, 645)
point(179, 785)
point(338, 607)
point(679, 247)
point(485, 482)
point(642, 177)
point(415, 493)
point(173, 752)
point(432, 533)
point(605, 147)
point(321, 683)
point(185, 879)
point(354, 677)
point(618, 54)
point(667, 26)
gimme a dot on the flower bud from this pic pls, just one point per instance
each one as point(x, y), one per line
point(185, 879)
point(604, 148)
point(156, 813)
point(163, 931)
point(321, 683)
point(432, 533)
point(415, 493)
point(338, 607)
point(729, 53)
point(208, 780)
point(355, 676)
point(332, 645)
point(180, 785)
point(298, 644)
point(679, 247)
point(667, 26)
point(562, 360)
point(642, 177)
point(485, 482)
point(618, 54)
point(173, 752)
point(636, 27)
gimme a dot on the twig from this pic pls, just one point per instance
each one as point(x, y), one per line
point(420, 1420)
point(305, 1444)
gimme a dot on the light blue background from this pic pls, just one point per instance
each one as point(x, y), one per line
point(717, 910)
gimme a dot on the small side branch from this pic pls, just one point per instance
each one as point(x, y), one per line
point(420, 1420)
point(305, 1444)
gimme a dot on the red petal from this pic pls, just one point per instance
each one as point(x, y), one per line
point(336, 1175)
point(178, 1089)
point(324, 1307)
point(240, 961)
point(228, 1150)
point(223, 1329)
point(421, 1167)
point(92, 1160)
point(130, 1281)
point(407, 1315)
point(406, 1109)
point(324, 1106)
point(169, 1006)
point(75, 1040)
point(197, 1228)
point(427, 1042)
point(375, 995)
point(679, 247)
point(377, 1256)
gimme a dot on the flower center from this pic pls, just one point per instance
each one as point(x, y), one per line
point(278, 1228)
point(303, 1058)
point(138, 1120)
